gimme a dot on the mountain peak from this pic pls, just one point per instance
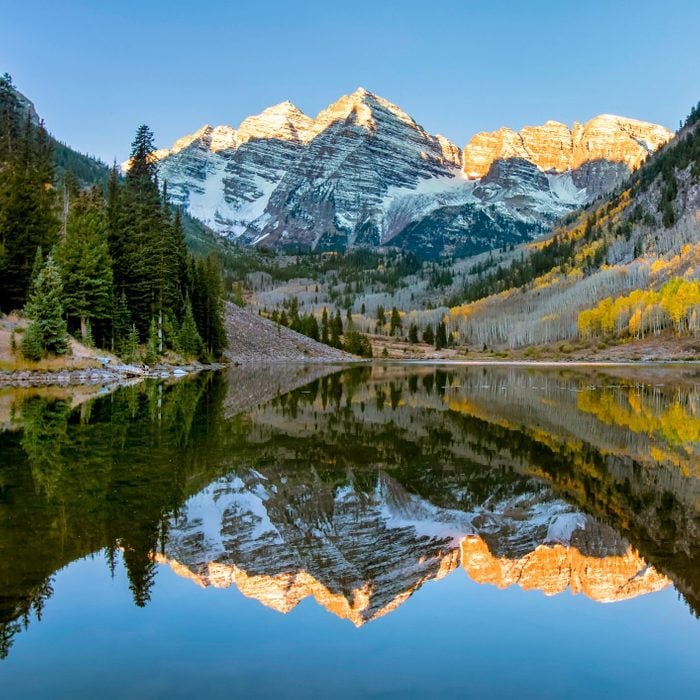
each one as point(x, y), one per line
point(283, 121)
point(554, 147)
point(361, 93)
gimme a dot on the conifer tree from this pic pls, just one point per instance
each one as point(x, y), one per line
point(325, 328)
point(441, 336)
point(10, 119)
point(121, 325)
point(131, 345)
point(395, 324)
point(136, 233)
point(338, 323)
point(45, 310)
point(85, 263)
point(189, 343)
point(27, 214)
point(207, 305)
point(36, 267)
point(32, 343)
point(381, 316)
point(152, 352)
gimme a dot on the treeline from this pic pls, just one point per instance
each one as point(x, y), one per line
point(644, 312)
point(558, 251)
point(330, 331)
point(112, 267)
point(430, 334)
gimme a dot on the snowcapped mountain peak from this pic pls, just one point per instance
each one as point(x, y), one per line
point(222, 137)
point(361, 93)
point(364, 172)
point(282, 121)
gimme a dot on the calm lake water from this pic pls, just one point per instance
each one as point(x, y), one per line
point(389, 531)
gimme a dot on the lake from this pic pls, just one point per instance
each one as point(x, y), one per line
point(389, 531)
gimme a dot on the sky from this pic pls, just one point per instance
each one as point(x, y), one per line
point(96, 70)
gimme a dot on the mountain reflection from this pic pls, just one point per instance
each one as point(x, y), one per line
point(356, 487)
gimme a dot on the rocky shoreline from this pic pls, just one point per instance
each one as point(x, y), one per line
point(120, 374)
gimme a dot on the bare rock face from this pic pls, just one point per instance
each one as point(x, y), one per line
point(549, 147)
point(363, 172)
point(599, 154)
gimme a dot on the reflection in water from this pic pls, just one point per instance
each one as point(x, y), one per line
point(356, 487)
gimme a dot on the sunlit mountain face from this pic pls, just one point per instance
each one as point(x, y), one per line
point(356, 488)
point(364, 173)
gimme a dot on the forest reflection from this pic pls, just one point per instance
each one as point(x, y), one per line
point(356, 487)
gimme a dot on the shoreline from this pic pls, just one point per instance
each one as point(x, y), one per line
point(129, 375)
point(100, 376)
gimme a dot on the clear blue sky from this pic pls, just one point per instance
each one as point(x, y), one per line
point(98, 69)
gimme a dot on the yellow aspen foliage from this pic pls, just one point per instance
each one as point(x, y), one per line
point(675, 306)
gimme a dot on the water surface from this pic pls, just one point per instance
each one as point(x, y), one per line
point(388, 531)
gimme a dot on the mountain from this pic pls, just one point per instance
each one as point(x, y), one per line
point(364, 172)
point(361, 555)
point(596, 156)
point(625, 268)
point(86, 169)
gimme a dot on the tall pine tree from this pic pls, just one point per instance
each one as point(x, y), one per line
point(27, 202)
point(86, 266)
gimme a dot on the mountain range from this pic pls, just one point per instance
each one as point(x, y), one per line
point(364, 172)
point(361, 555)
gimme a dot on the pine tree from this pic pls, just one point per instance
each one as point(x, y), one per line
point(381, 316)
point(207, 305)
point(338, 323)
point(310, 327)
point(137, 233)
point(325, 327)
point(27, 214)
point(32, 343)
point(131, 345)
point(10, 119)
point(413, 333)
point(152, 353)
point(429, 335)
point(395, 324)
point(85, 263)
point(36, 268)
point(87, 337)
point(45, 310)
point(441, 336)
point(358, 344)
point(121, 325)
point(336, 327)
point(189, 343)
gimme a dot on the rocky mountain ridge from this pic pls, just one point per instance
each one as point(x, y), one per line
point(361, 555)
point(364, 172)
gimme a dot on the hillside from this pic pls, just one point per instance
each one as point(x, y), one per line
point(632, 258)
point(252, 339)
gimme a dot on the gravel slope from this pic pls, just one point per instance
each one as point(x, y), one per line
point(253, 339)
